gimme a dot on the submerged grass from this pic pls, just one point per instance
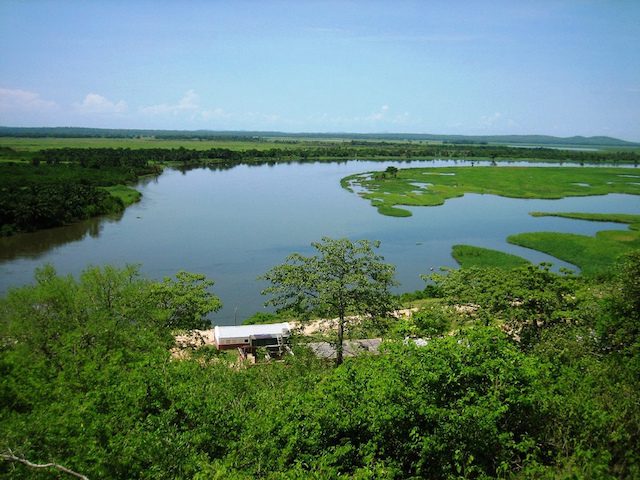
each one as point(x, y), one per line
point(387, 192)
point(470, 256)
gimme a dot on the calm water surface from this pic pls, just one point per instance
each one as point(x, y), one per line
point(233, 225)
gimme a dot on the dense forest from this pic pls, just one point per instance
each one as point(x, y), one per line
point(331, 151)
point(538, 377)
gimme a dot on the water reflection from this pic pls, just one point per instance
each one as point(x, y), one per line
point(34, 245)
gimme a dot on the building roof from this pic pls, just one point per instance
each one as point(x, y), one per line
point(248, 330)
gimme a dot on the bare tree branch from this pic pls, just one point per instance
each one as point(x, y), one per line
point(13, 458)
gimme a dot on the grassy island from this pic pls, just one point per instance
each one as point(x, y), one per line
point(433, 186)
point(470, 256)
point(593, 255)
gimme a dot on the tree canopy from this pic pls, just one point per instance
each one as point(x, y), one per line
point(343, 278)
point(87, 382)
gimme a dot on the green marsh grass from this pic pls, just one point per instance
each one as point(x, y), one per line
point(470, 256)
point(128, 195)
point(388, 193)
point(594, 255)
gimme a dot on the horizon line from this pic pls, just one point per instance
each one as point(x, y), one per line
point(340, 133)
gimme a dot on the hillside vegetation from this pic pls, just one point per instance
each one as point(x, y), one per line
point(538, 378)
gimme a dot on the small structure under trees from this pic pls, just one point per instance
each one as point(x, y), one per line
point(248, 338)
point(343, 278)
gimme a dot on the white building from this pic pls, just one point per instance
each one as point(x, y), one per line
point(249, 337)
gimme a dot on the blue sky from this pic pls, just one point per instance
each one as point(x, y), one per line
point(458, 67)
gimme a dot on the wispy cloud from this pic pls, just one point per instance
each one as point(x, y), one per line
point(15, 100)
point(95, 103)
point(444, 38)
point(189, 103)
point(190, 108)
point(379, 115)
point(214, 114)
point(490, 120)
point(497, 120)
point(378, 120)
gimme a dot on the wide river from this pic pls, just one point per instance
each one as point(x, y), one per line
point(233, 225)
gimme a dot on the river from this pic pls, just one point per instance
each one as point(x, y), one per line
point(233, 225)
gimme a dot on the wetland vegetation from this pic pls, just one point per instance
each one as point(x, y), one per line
point(506, 369)
point(433, 186)
point(33, 170)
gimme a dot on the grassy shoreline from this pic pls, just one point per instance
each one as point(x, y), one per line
point(471, 256)
point(594, 255)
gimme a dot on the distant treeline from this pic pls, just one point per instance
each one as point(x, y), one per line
point(139, 158)
point(78, 132)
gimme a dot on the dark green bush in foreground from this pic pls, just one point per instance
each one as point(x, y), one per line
point(86, 380)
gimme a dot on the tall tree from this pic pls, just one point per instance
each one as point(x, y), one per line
point(343, 278)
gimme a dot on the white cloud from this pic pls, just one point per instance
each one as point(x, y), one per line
point(379, 115)
point(490, 120)
point(190, 102)
point(14, 100)
point(497, 122)
point(95, 103)
point(214, 113)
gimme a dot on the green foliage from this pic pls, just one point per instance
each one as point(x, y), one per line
point(86, 381)
point(470, 256)
point(408, 297)
point(460, 406)
point(620, 329)
point(185, 301)
point(261, 318)
point(526, 298)
point(343, 278)
point(393, 171)
point(432, 320)
point(44, 206)
point(41, 196)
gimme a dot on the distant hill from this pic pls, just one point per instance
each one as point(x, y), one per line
point(536, 140)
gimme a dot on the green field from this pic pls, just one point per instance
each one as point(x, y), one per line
point(433, 186)
point(470, 256)
point(35, 144)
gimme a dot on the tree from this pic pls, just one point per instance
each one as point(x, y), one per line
point(525, 298)
point(619, 327)
point(342, 278)
point(186, 301)
point(393, 171)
